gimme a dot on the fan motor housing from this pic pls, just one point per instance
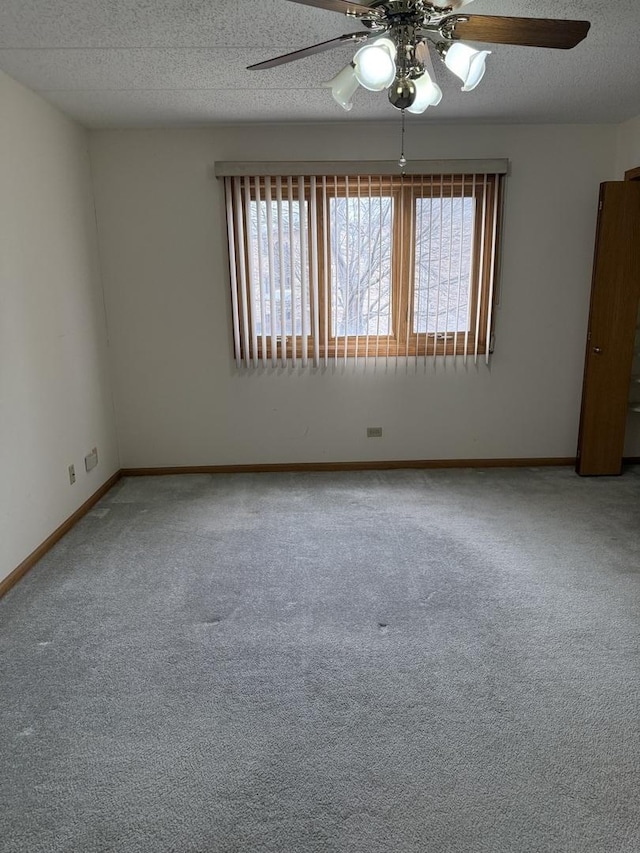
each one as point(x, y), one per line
point(402, 13)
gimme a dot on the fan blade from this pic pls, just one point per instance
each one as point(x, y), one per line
point(530, 32)
point(354, 10)
point(309, 51)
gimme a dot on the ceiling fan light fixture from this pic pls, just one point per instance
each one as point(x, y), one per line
point(465, 62)
point(399, 34)
point(343, 87)
point(374, 67)
point(428, 94)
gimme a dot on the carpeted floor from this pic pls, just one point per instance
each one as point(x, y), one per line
point(381, 662)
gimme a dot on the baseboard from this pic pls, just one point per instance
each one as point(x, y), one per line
point(285, 467)
point(19, 572)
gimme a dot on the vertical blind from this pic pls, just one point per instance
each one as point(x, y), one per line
point(330, 267)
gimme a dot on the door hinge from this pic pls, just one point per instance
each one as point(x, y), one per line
point(600, 204)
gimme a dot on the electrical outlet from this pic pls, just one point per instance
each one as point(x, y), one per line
point(91, 460)
point(72, 474)
point(374, 432)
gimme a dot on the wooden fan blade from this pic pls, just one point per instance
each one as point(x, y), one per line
point(355, 10)
point(310, 51)
point(530, 32)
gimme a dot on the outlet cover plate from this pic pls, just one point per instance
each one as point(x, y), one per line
point(91, 459)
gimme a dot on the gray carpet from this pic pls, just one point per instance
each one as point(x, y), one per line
point(407, 662)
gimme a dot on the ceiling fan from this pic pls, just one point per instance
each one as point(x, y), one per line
point(395, 53)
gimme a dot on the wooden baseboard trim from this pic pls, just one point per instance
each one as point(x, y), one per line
point(631, 460)
point(289, 467)
point(19, 572)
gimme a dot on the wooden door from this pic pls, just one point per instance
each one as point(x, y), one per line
point(615, 292)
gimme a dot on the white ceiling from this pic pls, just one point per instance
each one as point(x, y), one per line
point(137, 63)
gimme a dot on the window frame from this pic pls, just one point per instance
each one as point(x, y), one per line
point(406, 191)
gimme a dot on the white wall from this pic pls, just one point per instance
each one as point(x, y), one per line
point(181, 401)
point(627, 147)
point(55, 402)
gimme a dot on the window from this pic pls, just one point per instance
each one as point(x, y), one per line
point(349, 266)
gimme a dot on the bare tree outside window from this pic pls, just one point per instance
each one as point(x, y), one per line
point(361, 265)
point(443, 260)
point(283, 279)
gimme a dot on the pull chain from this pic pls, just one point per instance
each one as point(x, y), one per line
point(402, 162)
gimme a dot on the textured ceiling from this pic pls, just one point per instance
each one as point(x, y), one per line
point(136, 63)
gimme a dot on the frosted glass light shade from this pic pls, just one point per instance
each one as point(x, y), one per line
point(466, 63)
point(428, 94)
point(375, 68)
point(343, 85)
point(388, 44)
